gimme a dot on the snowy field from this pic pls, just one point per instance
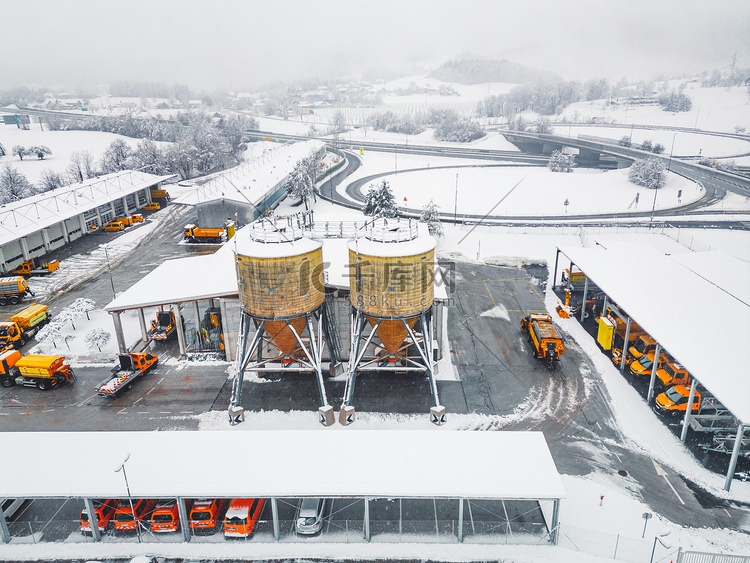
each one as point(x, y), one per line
point(531, 191)
point(61, 143)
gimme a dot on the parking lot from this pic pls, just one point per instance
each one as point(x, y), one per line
point(391, 520)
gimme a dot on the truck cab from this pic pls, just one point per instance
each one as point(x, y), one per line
point(674, 401)
point(672, 373)
point(643, 345)
point(642, 366)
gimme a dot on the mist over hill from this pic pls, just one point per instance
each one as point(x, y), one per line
point(479, 70)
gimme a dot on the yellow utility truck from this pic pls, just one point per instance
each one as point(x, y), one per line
point(13, 289)
point(23, 326)
point(545, 341)
point(42, 372)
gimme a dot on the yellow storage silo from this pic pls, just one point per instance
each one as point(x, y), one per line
point(281, 289)
point(391, 278)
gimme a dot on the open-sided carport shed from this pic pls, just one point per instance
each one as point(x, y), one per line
point(284, 464)
point(698, 308)
point(182, 280)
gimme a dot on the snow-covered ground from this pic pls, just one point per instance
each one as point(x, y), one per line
point(581, 514)
point(61, 143)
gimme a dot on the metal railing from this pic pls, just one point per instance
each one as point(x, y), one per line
point(700, 557)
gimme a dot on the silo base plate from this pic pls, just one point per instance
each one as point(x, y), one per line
point(326, 416)
point(236, 415)
point(437, 415)
point(346, 415)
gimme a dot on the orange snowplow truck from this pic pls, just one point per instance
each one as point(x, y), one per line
point(547, 343)
point(43, 372)
point(13, 290)
point(193, 233)
point(23, 326)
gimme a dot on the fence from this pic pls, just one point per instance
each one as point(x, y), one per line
point(699, 557)
point(333, 531)
point(615, 546)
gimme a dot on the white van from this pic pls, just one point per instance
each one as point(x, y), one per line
point(310, 517)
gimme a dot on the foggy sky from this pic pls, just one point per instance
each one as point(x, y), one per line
point(245, 44)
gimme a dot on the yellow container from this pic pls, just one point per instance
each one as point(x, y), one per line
point(606, 332)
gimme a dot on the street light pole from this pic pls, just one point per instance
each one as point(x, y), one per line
point(455, 203)
point(669, 166)
point(130, 498)
point(111, 281)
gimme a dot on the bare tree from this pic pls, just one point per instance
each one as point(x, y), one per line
point(50, 180)
point(13, 185)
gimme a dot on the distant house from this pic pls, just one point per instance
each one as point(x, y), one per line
point(162, 105)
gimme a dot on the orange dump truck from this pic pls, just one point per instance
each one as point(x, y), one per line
point(546, 342)
point(194, 234)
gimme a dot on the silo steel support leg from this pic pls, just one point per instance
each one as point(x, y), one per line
point(346, 414)
point(311, 356)
point(244, 355)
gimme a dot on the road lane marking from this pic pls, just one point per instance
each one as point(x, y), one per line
point(488, 291)
point(151, 390)
point(48, 410)
point(122, 411)
point(186, 412)
point(162, 379)
point(4, 414)
point(618, 457)
point(165, 412)
point(142, 412)
point(597, 425)
point(660, 471)
point(138, 401)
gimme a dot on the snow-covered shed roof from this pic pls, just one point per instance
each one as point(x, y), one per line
point(280, 463)
point(214, 275)
point(685, 309)
point(180, 280)
point(721, 269)
point(252, 182)
point(32, 214)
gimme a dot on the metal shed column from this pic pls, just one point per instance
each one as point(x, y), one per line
point(688, 410)
point(554, 274)
point(118, 332)
point(585, 291)
point(732, 462)
point(367, 519)
point(275, 517)
point(197, 314)
point(555, 532)
point(93, 519)
point(180, 329)
point(461, 518)
point(142, 320)
point(24, 248)
point(625, 346)
point(184, 519)
point(657, 353)
point(4, 531)
point(225, 329)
